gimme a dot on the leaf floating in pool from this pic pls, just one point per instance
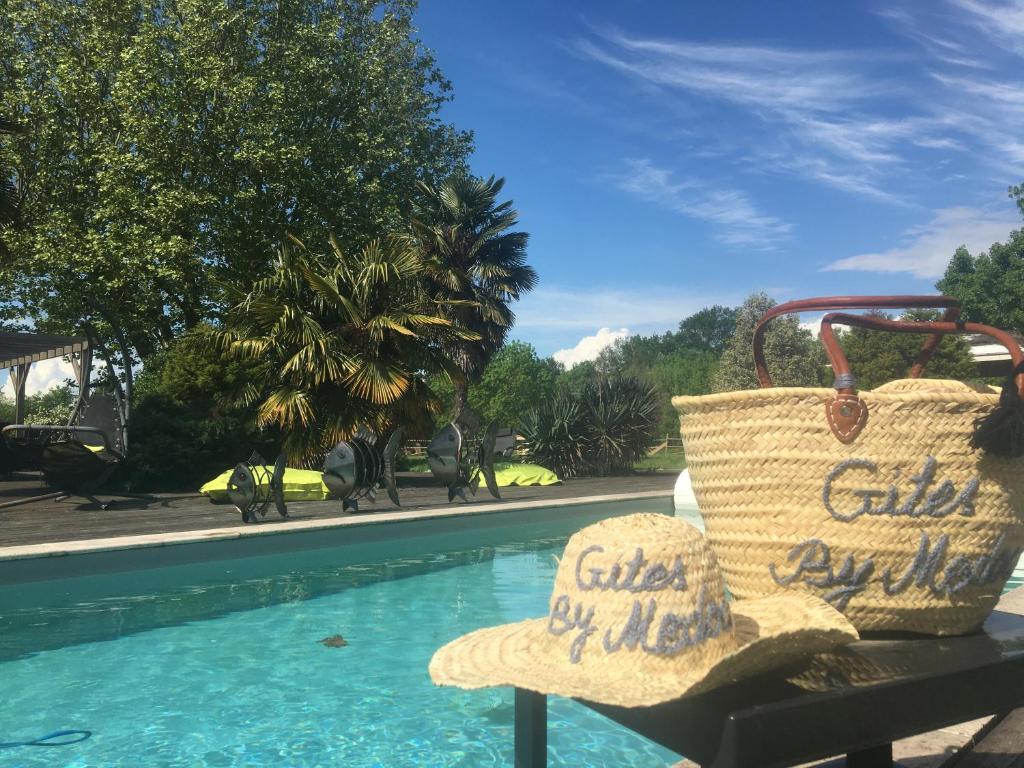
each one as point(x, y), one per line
point(334, 641)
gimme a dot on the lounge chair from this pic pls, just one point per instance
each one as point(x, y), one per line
point(77, 458)
point(504, 442)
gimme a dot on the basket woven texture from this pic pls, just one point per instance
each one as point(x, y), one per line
point(907, 528)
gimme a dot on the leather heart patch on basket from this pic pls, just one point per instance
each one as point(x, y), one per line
point(847, 415)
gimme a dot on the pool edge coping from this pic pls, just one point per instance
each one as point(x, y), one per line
point(200, 535)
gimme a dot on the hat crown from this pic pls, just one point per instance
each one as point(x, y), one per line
point(646, 584)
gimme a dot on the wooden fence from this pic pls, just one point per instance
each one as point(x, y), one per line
point(419, 447)
point(668, 445)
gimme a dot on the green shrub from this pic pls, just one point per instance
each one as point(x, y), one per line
point(182, 431)
point(554, 432)
point(600, 429)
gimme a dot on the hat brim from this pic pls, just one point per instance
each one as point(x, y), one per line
point(773, 631)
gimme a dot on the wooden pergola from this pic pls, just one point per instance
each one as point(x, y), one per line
point(19, 350)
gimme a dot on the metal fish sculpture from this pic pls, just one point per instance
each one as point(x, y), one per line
point(251, 487)
point(444, 457)
point(353, 469)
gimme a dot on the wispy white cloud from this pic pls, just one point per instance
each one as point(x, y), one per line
point(578, 309)
point(589, 347)
point(927, 249)
point(973, 109)
point(939, 46)
point(813, 325)
point(769, 78)
point(831, 112)
point(1002, 21)
point(737, 220)
point(987, 112)
point(819, 169)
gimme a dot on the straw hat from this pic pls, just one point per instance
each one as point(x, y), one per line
point(639, 616)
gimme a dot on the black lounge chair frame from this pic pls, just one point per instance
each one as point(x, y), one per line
point(96, 419)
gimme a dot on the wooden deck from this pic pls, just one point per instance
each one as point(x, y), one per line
point(73, 519)
point(1000, 745)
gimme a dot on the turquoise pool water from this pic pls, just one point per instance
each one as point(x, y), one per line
point(218, 664)
point(223, 667)
point(1017, 579)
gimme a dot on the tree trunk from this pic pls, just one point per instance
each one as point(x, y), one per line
point(459, 399)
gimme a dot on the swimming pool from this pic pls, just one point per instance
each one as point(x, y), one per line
point(218, 663)
point(214, 660)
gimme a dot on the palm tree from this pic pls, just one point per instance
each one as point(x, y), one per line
point(474, 267)
point(340, 341)
point(10, 188)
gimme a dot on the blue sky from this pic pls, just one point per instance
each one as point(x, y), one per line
point(669, 155)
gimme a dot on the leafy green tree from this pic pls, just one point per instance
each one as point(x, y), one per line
point(794, 356)
point(575, 378)
point(991, 284)
point(1017, 194)
point(170, 146)
point(876, 357)
point(689, 372)
point(10, 186)
point(709, 329)
point(338, 342)
point(474, 267)
point(633, 355)
point(705, 331)
point(664, 363)
point(513, 382)
point(675, 363)
point(50, 407)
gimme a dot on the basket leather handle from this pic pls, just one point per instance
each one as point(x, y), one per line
point(846, 412)
point(841, 366)
point(950, 304)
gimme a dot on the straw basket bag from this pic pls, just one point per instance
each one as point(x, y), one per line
point(901, 506)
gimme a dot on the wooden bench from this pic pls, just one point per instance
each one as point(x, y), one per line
point(856, 701)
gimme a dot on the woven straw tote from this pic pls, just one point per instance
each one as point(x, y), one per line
point(877, 501)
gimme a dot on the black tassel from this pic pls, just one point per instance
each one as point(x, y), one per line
point(1002, 432)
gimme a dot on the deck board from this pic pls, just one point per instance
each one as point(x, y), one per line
point(1001, 746)
point(73, 519)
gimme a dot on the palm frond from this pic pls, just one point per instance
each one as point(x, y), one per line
point(379, 381)
point(328, 291)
